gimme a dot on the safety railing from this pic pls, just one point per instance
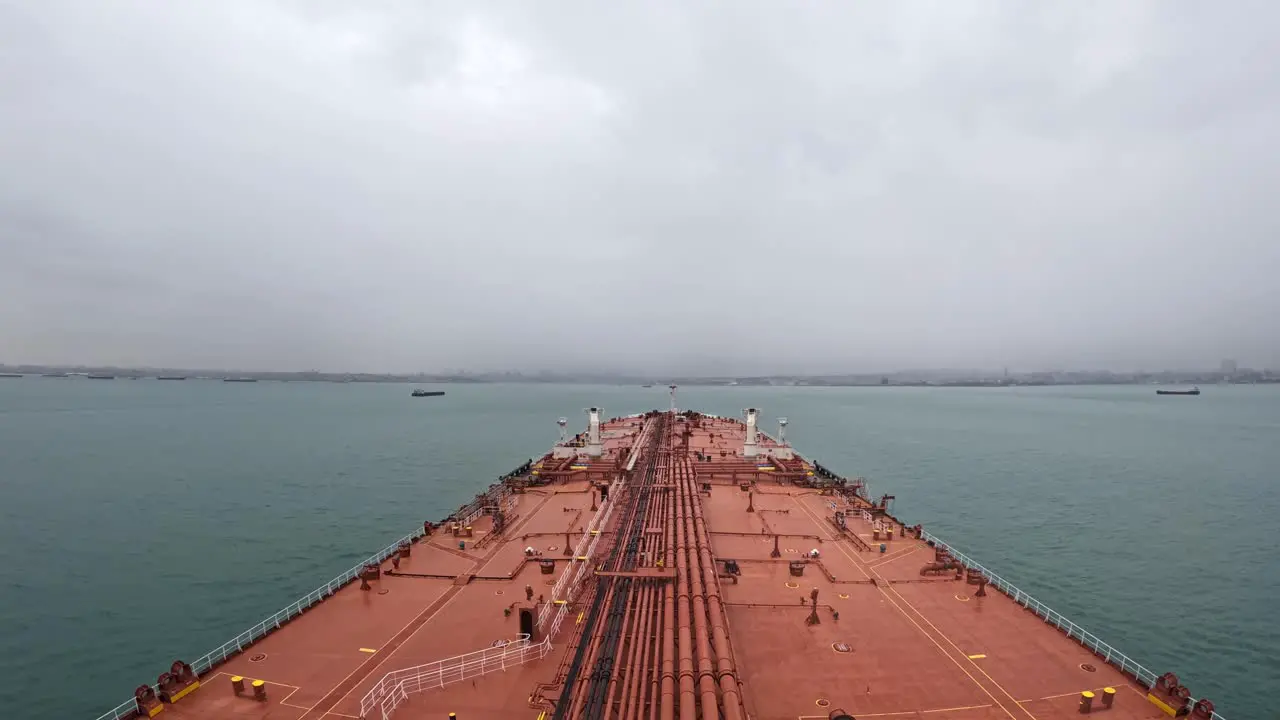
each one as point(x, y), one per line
point(502, 497)
point(566, 587)
point(1093, 642)
point(395, 687)
point(128, 709)
point(572, 577)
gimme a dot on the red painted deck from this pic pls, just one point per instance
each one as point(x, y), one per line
point(889, 642)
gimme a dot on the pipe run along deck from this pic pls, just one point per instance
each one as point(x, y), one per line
point(701, 583)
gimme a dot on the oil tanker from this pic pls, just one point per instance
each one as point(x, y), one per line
point(659, 566)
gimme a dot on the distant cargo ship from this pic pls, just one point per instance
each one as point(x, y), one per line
point(4, 375)
point(55, 375)
point(427, 393)
point(172, 377)
point(1192, 391)
point(239, 379)
point(102, 377)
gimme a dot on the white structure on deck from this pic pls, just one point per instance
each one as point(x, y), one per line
point(749, 446)
point(593, 448)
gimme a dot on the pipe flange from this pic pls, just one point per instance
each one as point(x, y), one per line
point(844, 596)
point(792, 585)
point(822, 702)
point(962, 598)
point(258, 658)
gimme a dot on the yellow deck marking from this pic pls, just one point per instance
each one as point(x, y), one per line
point(283, 701)
point(1161, 704)
point(895, 556)
point(888, 592)
point(1051, 697)
point(904, 712)
point(368, 650)
point(580, 616)
point(184, 691)
point(976, 657)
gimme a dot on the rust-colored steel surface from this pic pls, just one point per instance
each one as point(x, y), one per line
point(679, 573)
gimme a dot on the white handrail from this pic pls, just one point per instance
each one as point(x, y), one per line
point(1101, 649)
point(572, 577)
point(395, 687)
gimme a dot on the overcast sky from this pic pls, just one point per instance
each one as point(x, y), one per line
point(671, 186)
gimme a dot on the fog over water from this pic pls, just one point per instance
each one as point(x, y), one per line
point(663, 187)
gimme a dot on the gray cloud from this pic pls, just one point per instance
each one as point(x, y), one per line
point(407, 185)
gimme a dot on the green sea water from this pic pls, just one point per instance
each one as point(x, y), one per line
point(143, 521)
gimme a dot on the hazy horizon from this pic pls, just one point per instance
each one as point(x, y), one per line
point(627, 374)
point(653, 188)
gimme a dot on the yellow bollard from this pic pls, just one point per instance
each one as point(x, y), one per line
point(1108, 696)
point(237, 684)
point(1086, 702)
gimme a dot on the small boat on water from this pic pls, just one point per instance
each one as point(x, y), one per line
point(1192, 391)
point(426, 393)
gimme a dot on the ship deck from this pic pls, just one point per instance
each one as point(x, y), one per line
point(882, 640)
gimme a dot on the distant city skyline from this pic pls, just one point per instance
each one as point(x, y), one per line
point(900, 376)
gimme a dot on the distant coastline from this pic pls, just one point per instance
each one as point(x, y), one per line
point(913, 378)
